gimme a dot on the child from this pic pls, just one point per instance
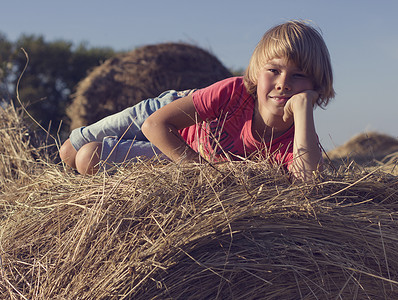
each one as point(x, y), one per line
point(269, 111)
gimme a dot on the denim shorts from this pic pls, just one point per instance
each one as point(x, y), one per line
point(120, 134)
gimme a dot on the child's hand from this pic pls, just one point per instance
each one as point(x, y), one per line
point(303, 100)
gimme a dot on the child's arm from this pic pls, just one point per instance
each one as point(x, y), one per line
point(307, 156)
point(161, 129)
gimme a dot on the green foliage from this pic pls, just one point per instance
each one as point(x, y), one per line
point(5, 53)
point(53, 71)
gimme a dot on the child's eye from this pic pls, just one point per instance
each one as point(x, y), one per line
point(275, 71)
point(300, 75)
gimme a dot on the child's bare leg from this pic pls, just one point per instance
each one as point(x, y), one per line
point(68, 154)
point(88, 158)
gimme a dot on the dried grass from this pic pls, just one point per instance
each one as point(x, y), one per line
point(155, 230)
point(390, 163)
point(19, 147)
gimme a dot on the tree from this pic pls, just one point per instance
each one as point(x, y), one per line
point(53, 71)
point(5, 66)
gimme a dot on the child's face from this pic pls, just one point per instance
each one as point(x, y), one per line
point(277, 82)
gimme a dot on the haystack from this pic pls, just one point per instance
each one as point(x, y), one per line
point(157, 230)
point(236, 231)
point(365, 149)
point(146, 72)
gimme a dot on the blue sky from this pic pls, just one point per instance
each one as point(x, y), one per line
point(362, 37)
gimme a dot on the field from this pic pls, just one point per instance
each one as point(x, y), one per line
point(156, 230)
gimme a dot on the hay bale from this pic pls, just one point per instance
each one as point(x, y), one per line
point(236, 231)
point(128, 78)
point(365, 149)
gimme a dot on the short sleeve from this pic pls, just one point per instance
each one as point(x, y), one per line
point(210, 101)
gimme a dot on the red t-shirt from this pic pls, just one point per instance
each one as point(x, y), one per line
point(227, 110)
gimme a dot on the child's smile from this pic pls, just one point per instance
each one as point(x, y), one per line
point(281, 100)
point(278, 81)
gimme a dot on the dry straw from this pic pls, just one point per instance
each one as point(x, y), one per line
point(17, 152)
point(156, 230)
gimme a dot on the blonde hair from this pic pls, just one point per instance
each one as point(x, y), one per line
point(301, 44)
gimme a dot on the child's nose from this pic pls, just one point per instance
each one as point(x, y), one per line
point(283, 84)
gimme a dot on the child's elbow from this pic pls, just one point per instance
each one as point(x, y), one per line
point(146, 127)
